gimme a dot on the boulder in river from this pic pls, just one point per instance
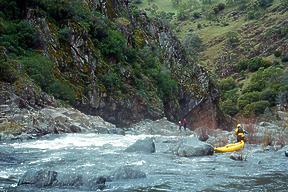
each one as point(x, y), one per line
point(237, 157)
point(191, 146)
point(97, 183)
point(146, 145)
point(72, 180)
point(286, 153)
point(127, 172)
point(39, 178)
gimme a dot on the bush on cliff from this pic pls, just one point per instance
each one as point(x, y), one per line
point(114, 45)
point(256, 108)
point(41, 70)
point(18, 37)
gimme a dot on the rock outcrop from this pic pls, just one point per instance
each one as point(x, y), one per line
point(18, 122)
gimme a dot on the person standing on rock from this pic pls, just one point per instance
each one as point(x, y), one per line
point(183, 123)
point(180, 124)
point(240, 133)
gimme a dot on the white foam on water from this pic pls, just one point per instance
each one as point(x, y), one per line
point(81, 140)
point(142, 162)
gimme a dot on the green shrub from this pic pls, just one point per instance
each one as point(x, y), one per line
point(257, 62)
point(196, 15)
point(232, 38)
point(231, 95)
point(242, 65)
point(252, 64)
point(269, 95)
point(114, 44)
point(284, 3)
point(8, 71)
point(64, 10)
point(242, 103)
point(251, 96)
point(65, 34)
point(227, 84)
point(264, 3)
point(167, 87)
point(10, 9)
point(218, 8)
point(17, 37)
point(256, 108)
point(40, 69)
point(229, 107)
point(62, 90)
point(255, 86)
point(254, 14)
point(277, 53)
point(111, 81)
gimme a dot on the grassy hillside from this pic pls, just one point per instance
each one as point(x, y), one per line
point(242, 43)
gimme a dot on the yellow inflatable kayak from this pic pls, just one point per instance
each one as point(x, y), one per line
point(230, 147)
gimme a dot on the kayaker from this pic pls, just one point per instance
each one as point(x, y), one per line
point(240, 133)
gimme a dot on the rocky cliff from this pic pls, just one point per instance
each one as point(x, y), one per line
point(122, 65)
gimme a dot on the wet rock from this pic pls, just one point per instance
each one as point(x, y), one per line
point(237, 157)
point(95, 183)
point(191, 146)
point(286, 153)
point(75, 128)
point(146, 145)
point(127, 172)
point(69, 180)
point(100, 182)
point(39, 178)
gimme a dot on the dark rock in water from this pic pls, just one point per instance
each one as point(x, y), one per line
point(237, 157)
point(286, 153)
point(97, 183)
point(100, 182)
point(127, 172)
point(69, 180)
point(191, 146)
point(39, 178)
point(146, 145)
point(75, 128)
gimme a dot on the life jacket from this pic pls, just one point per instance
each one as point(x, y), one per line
point(240, 130)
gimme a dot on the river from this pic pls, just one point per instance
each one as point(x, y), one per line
point(96, 155)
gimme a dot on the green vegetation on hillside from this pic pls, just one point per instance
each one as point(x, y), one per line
point(242, 44)
point(124, 65)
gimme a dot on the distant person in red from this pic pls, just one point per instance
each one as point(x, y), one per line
point(183, 123)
